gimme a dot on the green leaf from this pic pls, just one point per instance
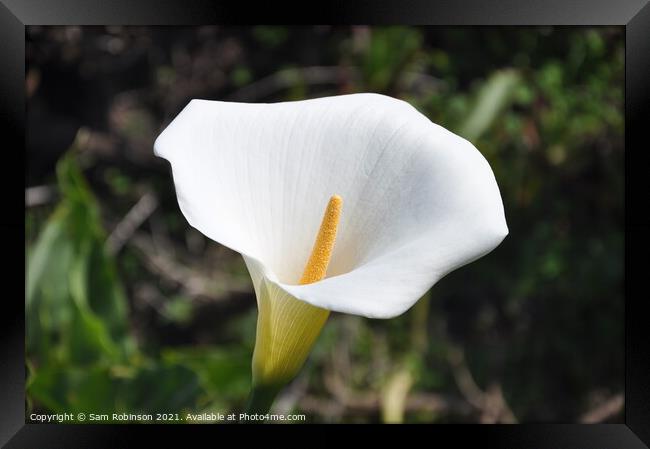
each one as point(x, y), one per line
point(160, 387)
point(75, 305)
point(225, 373)
point(492, 98)
point(65, 388)
point(389, 53)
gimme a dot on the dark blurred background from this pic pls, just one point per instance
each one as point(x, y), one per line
point(131, 310)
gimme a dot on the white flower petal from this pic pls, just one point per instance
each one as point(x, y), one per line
point(418, 201)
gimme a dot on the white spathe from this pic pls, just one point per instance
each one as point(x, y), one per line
point(418, 200)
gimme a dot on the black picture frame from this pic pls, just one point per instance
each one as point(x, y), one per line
point(633, 15)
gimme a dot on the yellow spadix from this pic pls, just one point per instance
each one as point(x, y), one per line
point(287, 327)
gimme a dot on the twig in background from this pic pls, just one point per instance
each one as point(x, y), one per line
point(371, 404)
point(40, 195)
point(160, 237)
point(287, 78)
point(329, 409)
point(131, 221)
point(611, 407)
point(347, 396)
point(217, 286)
point(417, 82)
point(491, 403)
point(290, 397)
point(348, 400)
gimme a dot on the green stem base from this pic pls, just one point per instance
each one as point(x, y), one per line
point(260, 400)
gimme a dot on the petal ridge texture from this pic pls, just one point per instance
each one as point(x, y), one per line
point(420, 200)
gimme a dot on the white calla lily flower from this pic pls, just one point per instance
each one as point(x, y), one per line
point(417, 202)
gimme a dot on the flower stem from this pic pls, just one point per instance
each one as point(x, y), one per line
point(261, 399)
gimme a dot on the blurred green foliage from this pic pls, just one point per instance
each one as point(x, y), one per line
point(167, 324)
point(78, 326)
point(73, 292)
